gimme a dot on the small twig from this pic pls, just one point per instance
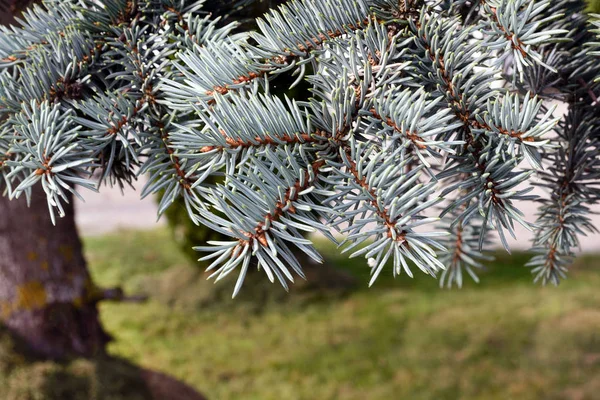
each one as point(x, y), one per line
point(118, 295)
point(590, 92)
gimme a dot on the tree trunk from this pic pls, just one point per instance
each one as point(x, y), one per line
point(47, 297)
point(46, 293)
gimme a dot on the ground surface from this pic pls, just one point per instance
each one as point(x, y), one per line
point(403, 339)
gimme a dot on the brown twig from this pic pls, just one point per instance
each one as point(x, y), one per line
point(266, 141)
point(117, 294)
point(412, 136)
point(382, 213)
point(305, 47)
point(260, 231)
point(516, 43)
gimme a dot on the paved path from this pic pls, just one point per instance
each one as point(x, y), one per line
point(110, 210)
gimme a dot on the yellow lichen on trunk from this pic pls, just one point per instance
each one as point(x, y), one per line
point(30, 296)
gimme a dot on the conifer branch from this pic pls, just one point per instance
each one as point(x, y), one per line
point(404, 109)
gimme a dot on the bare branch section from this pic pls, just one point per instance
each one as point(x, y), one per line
point(258, 142)
point(117, 294)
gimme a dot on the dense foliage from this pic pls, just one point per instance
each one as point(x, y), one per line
point(421, 113)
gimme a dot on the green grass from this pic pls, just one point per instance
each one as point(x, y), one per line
point(402, 339)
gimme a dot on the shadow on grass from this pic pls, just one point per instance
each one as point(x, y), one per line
point(24, 376)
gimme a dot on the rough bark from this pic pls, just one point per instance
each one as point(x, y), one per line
point(46, 293)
